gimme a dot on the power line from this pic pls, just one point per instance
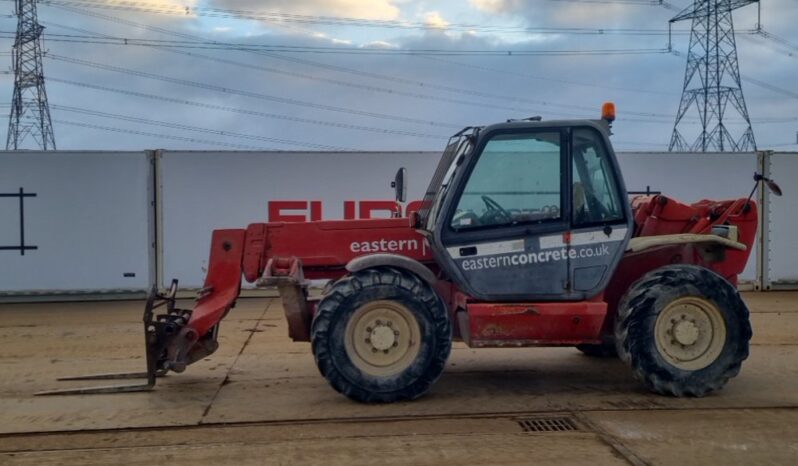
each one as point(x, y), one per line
point(159, 135)
point(399, 92)
point(757, 82)
point(622, 2)
point(163, 99)
point(289, 101)
point(776, 120)
point(538, 78)
point(770, 87)
point(156, 135)
point(777, 39)
point(249, 94)
point(374, 88)
point(390, 91)
point(217, 45)
point(278, 17)
point(362, 73)
point(378, 76)
point(350, 84)
point(759, 40)
point(527, 76)
point(248, 147)
point(761, 32)
point(181, 126)
point(334, 67)
point(639, 143)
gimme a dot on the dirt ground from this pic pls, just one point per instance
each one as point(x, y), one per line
point(260, 400)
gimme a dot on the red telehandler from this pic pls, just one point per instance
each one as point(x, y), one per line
point(525, 237)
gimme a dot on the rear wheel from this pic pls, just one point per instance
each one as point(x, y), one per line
point(684, 330)
point(381, 335)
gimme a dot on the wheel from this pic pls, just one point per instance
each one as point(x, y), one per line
point(603, 350)
point(684, 330)
point(381, 335)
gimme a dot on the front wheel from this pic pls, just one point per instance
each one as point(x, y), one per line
point(684, 330)
point(381, 335)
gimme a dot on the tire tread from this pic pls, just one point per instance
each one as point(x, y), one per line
point(381, 278)
point(635, 345)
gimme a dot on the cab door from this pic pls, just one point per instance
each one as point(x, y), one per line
point(600, 216)
point(508, 203)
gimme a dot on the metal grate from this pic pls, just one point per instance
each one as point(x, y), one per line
point(548, 424)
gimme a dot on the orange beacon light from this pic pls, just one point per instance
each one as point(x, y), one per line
point(608, 111)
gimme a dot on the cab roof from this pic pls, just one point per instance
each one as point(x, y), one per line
point(601, 125)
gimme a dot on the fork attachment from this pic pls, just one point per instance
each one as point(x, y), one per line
point(159, 331)
point(180, 337)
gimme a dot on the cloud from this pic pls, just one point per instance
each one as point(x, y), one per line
point(380, 44)
point(575, 14)
point(491, 88)
point(586, 15)
point(172, 3)
point(434, 19)
point(496, 6)
point(364, 9)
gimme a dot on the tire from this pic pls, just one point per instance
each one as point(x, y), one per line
point(604, 350)
point(684, 330)
point(381, 335)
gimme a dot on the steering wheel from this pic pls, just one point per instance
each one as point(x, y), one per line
point(495, 208)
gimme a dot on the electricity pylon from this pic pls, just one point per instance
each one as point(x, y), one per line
point(30, 112)
point(712, 79)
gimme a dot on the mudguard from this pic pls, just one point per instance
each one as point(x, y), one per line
point(392, 260)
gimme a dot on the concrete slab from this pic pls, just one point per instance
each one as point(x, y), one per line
point(107, 337)
point(398, 449)
point(496, 381)
point(701, 437)
point(772, 301)
point(260, 399)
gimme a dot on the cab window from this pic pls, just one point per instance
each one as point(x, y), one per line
point(594, 191)
point(515, 180)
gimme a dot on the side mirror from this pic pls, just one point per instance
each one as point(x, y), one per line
point(774, 188)
point(399, 186)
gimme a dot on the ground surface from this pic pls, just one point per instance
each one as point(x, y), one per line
point(260, 400)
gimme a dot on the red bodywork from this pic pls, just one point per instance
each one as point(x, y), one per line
point(285, 254)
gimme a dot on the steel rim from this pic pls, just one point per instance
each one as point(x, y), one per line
point(690, 333)
point(382, 338)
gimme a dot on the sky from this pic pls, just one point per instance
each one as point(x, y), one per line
point(309, 80)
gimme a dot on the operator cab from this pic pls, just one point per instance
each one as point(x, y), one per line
point(529, 210)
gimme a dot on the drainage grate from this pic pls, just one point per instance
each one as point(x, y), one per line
point(548, 424)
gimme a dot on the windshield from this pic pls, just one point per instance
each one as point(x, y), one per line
point(458, 145)
point(517, 179)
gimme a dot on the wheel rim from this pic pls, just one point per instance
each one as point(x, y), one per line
point(382, 338)
point(690, 333)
